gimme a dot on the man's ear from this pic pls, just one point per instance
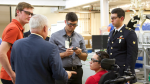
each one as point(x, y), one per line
point(122, 18)
point(17, 11)
point(44, 29)
point(65, 22)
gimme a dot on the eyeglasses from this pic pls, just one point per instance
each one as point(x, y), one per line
point(70, 25)
point(27, 12)
point(113, 18)
point(94, 60)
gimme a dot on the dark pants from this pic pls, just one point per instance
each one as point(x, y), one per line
point(75, 78)
point(6, 81)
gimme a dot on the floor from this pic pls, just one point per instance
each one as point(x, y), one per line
point(135, 83)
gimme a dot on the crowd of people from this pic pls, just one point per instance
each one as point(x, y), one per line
point(31, 59)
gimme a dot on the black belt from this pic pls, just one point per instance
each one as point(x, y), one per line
point(72, 68)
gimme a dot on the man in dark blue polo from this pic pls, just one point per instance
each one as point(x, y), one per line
point(122, 43)
point(66, 40)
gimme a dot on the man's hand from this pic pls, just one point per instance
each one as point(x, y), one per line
point(70, 73)
point(78, 51)
point(13, 77)
point(68, 52)
point(80, 54)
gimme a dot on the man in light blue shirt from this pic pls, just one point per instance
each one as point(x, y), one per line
point(67, 40)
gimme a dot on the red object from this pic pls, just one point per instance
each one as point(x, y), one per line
point(128, 11)
point(108, 28)
point(11, 33)
point(95, 78)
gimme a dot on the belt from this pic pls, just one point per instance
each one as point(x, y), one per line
point(72, 68)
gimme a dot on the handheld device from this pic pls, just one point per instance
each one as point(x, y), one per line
point(74, 48)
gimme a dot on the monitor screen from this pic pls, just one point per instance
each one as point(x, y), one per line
point(99, 42)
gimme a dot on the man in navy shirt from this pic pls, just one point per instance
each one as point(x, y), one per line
point(122, 43)
point(36, 61)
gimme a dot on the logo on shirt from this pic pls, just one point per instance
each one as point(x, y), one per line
point(120, 38)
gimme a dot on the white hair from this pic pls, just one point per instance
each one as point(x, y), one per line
point(38, 21)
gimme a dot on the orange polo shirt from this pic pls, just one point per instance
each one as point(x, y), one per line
point(11, 33)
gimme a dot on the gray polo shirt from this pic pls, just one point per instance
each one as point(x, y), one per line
point(59, 39)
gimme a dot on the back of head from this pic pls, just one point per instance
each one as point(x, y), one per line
point(23, 5)
point(120, 12)
point(71, 16)
point(38, 22)
point(106, 64)
point(102, 55)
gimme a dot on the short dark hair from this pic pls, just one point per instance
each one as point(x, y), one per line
point(21, 6)
point(71, 16)
point(119, 11)
point(102, 55)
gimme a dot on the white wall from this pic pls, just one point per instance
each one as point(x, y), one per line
point(92, 26)
point(95, 23)
point(4, 18)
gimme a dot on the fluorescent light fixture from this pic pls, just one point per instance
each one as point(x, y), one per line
point(122, 6)
point(147, 5)
point(84, 12)
point(125, 6)
point(86, 6)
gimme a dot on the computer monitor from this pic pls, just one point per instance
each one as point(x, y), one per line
point(99, 42)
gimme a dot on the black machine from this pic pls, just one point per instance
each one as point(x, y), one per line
point(112, 77)
point(131, 24)
point(99, 42)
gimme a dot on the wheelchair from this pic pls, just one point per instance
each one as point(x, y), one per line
point(113, 77)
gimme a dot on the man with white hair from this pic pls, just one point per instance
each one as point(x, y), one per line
point(36, 61)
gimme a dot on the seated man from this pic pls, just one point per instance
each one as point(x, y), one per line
point(96, 66)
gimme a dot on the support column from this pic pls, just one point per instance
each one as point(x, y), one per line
point(104, 11)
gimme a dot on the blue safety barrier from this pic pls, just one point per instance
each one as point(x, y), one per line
point(139, 65)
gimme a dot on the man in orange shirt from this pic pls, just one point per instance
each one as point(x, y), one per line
point(11, 33)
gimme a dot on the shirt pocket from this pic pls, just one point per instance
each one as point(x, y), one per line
point(120, 44)
point(76, 43)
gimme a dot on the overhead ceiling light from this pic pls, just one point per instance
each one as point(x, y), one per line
point(147, 5)
point(122, 6)
point(125, 6)
point(113, 0)
point(86, 6)
point(84, 12)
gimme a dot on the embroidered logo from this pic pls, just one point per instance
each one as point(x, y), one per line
point(120, 38)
